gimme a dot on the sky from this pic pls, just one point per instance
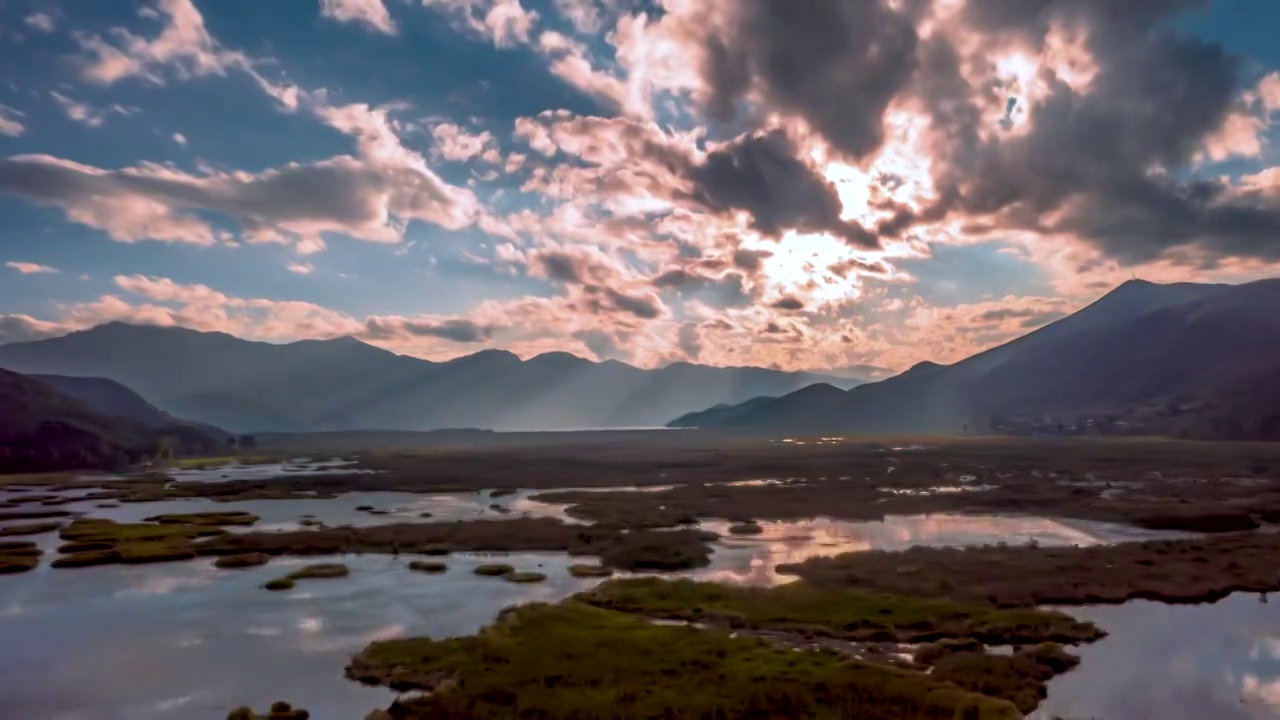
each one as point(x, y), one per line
point(827, 184)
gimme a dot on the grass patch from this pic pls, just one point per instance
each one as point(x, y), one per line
point(18, 556)
point(549, 662)
point(834, 612)
point(12, 564)
point(524, 577)
point(1193, 571)
point(278, 584)
point(586, 571)
point(29, 529)
point(1019, 678)
point(323, 570)
point(96, 530)
point(243, 560)
point(206, 519)
point(745, 528)
point(494, 569)
point(428, 566)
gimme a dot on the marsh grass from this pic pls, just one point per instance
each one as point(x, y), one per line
point(1193, 571)
point(576, 661)
point(834, 612)
point(18, 556)
point(29, 529)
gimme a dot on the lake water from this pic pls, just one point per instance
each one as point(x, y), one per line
point(1175, 662)
point(185, 641)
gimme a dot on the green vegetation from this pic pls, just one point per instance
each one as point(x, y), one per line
point(279, 711)
point(323, 570)
point(428, 566)
point(277, 584)
point(524, 577)
point(746, 528)
point(546, 661)
point(585, 571)
point(95, 530)
point(105, 542)
point(1196, 570)
point(1019, 678)
point(211, 519)
point(243, 560)
point(18, 556)
point(494, 569)
point(28, 529)
point(10, 564)
point(834, 612)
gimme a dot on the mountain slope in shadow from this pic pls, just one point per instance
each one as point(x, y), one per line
point(345, 384)
point(1179, 358)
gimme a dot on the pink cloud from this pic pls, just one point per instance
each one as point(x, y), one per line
point(28, 268)
point(370, 13)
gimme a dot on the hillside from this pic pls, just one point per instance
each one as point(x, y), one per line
point(42, 429)
point(345, 384)
point(1184, 359)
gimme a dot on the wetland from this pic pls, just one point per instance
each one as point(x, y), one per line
point(830, 578)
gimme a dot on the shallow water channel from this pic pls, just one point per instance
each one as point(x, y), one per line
point(186, 640)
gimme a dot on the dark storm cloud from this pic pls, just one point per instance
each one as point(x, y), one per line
point(788, 303)
point(762, 175)
point(1107, 163)
point(462, 331)
point(838, 63)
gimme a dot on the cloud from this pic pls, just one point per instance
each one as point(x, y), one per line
point(27, 268)
point(24, 328)
point(455, 330)
point(183, 47)
point(42, 22)
point(370, 13)
point(505, 22)
point(762, 175)
point(838, 64)
point(87, 114)
point(584, 15)
point(9, 123)
point(457, 145)
point(368, 199)
point(180, 139)
point(300, 268)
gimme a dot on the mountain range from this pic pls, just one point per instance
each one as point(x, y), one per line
point(45, 425)
point(1186, 359)
point(345, 384)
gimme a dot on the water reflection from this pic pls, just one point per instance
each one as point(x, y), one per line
point(1175, 662)
point(752, 559)
point(186, 641)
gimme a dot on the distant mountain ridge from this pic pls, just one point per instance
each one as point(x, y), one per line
point(1186, 358)
point(45, 429)
point(345, 384)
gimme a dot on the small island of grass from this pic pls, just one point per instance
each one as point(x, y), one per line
point(548, 658)
point(587, 571)
point(322, 570)
point(428, 566)
point(243, 560)
point(494, 569)
point(524, 577)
